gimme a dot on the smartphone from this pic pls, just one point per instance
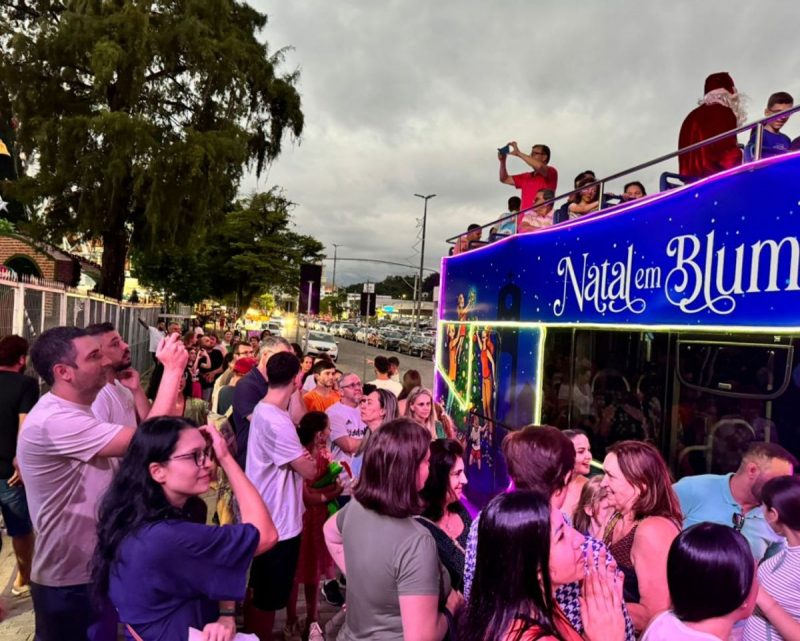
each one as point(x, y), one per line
point(504, 150)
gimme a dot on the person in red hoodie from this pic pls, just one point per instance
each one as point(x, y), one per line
point(719, 110)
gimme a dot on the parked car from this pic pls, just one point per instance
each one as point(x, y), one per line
point(348, 332)
point(389, 340)
point(373, 337)
point(361, 334)
point(321, 344)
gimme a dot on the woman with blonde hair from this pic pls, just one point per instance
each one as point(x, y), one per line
point(419, 407)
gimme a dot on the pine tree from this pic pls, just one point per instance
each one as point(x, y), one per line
point(138, 118)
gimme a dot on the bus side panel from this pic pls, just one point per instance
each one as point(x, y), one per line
point(487, 382)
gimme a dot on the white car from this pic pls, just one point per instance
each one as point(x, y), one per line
point(320, 344)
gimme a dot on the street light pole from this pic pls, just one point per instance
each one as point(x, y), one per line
point(335, 249)
point(422, 256)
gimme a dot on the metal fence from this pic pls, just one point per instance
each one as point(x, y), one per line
point(29, 306)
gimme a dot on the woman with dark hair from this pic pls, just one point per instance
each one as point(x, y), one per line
point(411, 379)
point(541, 459)
point(580, 473)
point(526, 551)
point(647, 519)
point(315, 562)
point(163, 571)
point(396, 588)
point(779, 607)
point(633, 191)
point(188, 406)
point(444, 515)
point(711, 577)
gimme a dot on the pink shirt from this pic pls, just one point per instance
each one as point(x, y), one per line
point(530, 183)
point(64, 482)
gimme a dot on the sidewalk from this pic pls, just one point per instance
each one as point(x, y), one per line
point(19, 626)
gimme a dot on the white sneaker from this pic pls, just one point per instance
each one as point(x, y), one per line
point(315, 632)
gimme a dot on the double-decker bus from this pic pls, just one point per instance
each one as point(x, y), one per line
point(674, 318)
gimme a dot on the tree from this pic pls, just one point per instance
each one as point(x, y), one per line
point(255, 251)
point(252, 254)
point(398, 286)
point(140, 116)
point(333, 304)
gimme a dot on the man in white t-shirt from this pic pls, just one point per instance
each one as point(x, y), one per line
point(277, 464)
point(382, 379)
point(156, 334)
point(122, 400)
point(347, 428)
point(64, 456)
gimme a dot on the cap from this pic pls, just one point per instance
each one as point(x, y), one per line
point(244, 365)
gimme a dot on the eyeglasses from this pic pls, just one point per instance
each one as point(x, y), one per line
point(350, 385)
point(245, 352)
point(200, 456)
point(738, 521)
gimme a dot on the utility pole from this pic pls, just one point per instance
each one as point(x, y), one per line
point(422, 256)
point(335, 249)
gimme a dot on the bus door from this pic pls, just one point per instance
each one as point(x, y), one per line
point(731, 390)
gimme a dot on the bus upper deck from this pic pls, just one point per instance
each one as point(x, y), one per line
point(675, 318)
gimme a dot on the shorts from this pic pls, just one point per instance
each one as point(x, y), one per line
point(14, 507)
point(272, 575)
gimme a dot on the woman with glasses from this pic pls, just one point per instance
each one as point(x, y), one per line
point(162, 570)
point(647, 519)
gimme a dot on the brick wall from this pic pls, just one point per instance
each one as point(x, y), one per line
point(12, 246)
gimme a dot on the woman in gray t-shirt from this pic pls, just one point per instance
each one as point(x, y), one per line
point(395, 583)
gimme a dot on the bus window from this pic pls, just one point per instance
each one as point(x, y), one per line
point(611, 384)
point(730, 394)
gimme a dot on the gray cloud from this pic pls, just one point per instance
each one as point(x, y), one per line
point(414, 96)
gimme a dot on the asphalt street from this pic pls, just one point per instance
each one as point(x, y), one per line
point(357, 357)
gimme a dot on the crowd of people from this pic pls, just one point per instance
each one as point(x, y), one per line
point(721, 109)
point(147, 518)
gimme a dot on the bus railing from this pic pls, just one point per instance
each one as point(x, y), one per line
point(758, 125)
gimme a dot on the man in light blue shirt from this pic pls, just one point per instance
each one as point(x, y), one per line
point(735, 499)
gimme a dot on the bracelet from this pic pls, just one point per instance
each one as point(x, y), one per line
point(227, 613)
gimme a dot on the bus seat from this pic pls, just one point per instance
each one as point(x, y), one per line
point(669, 180)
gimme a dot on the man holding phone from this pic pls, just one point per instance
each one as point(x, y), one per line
point(542, 176)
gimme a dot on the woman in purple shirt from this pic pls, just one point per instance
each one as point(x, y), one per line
point(162, 569)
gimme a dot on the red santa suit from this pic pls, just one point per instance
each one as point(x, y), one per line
point(706, 121)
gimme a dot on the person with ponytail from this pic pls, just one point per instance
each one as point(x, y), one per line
point(161, 567)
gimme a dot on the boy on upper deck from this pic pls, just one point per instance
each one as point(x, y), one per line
point(773, 142)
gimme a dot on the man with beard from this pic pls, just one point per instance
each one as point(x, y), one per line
point(719, 110)
point(735, 499)
point(122, 400)
point(65, 458)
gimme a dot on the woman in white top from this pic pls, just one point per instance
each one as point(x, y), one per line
point(711, 578)
point(779, 575)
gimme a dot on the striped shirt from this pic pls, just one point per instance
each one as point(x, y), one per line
point(780, 577)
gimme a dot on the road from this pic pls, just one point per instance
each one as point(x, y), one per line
point(357, 357)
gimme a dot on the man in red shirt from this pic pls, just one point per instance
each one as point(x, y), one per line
point(531, 182)
point(720, 110)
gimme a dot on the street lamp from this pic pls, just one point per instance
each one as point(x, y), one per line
point(335, 249)
point(422, 256)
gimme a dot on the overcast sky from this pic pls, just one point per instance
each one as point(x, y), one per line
point(414, 96)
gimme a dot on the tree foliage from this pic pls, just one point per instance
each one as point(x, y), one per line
point(140, 116)
point(253, 252)
point(398, 286)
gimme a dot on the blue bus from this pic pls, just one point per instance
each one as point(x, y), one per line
point(674, 318)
